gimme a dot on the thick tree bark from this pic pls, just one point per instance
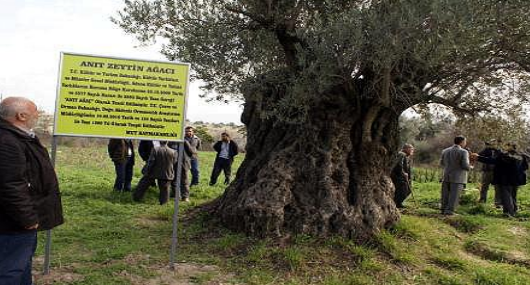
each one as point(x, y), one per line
point(327, 176)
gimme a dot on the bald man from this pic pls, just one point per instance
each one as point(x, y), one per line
point(29, 191)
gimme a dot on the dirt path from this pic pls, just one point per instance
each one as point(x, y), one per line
point(184, 274)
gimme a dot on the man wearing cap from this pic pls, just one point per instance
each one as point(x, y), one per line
point(29, 191)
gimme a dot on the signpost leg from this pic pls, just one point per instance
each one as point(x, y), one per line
point(48, 246)
point(174, 237)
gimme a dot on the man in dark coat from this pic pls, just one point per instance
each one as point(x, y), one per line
point(402, 174)
point(160, 167)
point(29, 190)
point(226, 150)
point(121, 151)
point(144, 149)
point(186, 165)
point(487, 173)
point(509, 173)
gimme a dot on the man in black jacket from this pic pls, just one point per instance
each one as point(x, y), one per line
point(29, 190)
point(226, 150)
point(121, 151)
point(509, 173)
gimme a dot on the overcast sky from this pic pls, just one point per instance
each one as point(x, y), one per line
point(33, 33)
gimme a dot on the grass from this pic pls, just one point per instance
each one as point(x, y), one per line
point(109, 239)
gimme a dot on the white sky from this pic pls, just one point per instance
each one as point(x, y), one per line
point(34, 32)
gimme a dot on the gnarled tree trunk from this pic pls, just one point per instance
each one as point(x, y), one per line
point(327, 176)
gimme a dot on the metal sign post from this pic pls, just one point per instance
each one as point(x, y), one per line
point(48, 246)
point(174, 237)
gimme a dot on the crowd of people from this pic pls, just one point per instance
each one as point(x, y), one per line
point(503, 166)
point(161, 164)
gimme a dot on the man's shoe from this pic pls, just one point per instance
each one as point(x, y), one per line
point(185, 199)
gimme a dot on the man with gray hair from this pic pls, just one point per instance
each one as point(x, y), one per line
point(29, 190)
point(402, 174)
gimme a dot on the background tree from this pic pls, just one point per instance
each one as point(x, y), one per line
point(430, 131)
point(510, 126)
point(204, 135)
point(324, 83)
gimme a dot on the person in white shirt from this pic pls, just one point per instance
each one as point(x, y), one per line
point(226, 150)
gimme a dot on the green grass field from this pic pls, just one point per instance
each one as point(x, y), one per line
point(109, 239)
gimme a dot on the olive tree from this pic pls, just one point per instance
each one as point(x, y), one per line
point(324, 83)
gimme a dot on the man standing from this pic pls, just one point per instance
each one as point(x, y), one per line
point(184, 181)
point(490, 151)
point(195, 146)
point(456, 164)
point(29, 190)
point(121, 151)
point(226, 150)
point(402, 174)
point(509, 173)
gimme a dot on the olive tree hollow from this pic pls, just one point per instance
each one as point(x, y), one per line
point(323, 85)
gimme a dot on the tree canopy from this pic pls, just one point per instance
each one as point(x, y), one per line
point(423, 51)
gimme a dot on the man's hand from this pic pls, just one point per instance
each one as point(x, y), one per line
point(33, 227)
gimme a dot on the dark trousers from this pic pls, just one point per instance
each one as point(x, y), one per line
point(194, 171)
point(223, 164)
point(450, 196)
point(124, 174)
point(402, 192)
point(508, 199)
point(16, 253)
point(487, 179)
point(184, 183)
point(145, 182)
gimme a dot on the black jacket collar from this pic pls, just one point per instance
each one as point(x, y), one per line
point(10, 127)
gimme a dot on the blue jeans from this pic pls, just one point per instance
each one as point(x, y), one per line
point(124, 174)
point(16, 253)
point(194, 171)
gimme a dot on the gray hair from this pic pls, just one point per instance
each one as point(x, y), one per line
point(407, 145)
point(11, 106)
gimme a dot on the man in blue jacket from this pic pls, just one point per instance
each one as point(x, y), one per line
point(29, 190)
